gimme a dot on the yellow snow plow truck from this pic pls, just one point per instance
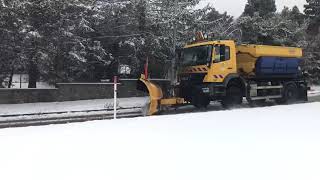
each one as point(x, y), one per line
point(225, 72)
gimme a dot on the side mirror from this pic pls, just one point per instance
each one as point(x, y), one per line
point(209, 61)
point(210, 56)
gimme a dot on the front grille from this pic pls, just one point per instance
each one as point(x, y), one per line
point(192, 78)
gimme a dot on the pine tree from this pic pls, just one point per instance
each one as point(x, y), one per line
point(57, 40)
point(280, 29)
point(296, 15)
point(312, 11)
point(264, 8)
point(10, 40)
point(312, 53)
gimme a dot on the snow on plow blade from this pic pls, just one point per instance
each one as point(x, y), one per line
point(155, 94)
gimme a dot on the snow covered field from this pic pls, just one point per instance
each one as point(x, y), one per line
point(278, 143)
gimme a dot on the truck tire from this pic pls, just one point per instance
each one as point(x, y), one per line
point(233, 97)
point(303, 92)
point(290, 94)
point(200, 101)
point(257, 103)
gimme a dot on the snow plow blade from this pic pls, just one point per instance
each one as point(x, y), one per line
point(155, 94)
point(156, 101)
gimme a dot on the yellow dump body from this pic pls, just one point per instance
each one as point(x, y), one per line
point(247, 55)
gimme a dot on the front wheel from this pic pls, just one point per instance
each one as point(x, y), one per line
point(233, 97)
point(257, 103)
point(200, 101)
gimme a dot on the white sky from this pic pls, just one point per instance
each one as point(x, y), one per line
point(236, 7)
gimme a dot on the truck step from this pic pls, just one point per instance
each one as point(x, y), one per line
point(266, 97)
point(269, 87)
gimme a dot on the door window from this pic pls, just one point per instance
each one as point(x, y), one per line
point(222, 53)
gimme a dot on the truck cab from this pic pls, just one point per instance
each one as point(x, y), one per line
point(204, 70)
point(212, 60)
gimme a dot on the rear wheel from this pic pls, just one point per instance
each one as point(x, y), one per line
point(303, 92)
point(290, 94)
point(233, 97)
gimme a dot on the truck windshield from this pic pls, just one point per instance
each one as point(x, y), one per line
point(194, 56)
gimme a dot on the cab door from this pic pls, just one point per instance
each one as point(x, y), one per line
point(223, 63)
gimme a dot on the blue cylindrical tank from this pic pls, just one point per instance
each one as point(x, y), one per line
point(278, 66)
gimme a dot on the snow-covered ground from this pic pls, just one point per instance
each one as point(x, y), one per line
point(97, 104)
point(278, 143)
point(315, 91)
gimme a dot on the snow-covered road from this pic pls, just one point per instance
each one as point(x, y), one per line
point(278, 143)
point(84, 105)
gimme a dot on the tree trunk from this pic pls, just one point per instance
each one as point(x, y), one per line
point(11, 78)
point(33, 75)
